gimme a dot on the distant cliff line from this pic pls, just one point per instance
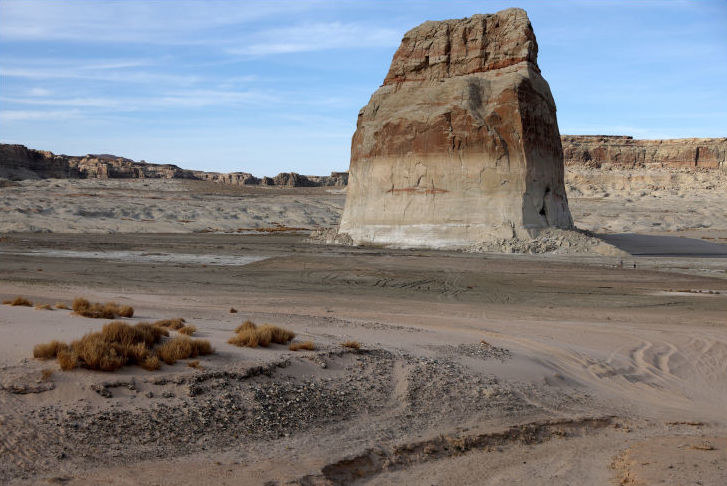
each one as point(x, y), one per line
point(602, 151)
point(18, 162)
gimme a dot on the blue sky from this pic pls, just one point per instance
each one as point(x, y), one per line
point(266, 87)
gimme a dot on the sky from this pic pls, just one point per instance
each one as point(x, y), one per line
point(274, 86)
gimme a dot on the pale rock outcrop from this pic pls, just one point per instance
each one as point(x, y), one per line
point(460, 144)
point(598, 151)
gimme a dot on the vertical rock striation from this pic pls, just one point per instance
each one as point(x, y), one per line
point(461, 143)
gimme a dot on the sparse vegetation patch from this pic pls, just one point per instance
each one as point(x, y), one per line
point(351, 344)
point(183, 347)
point(43, 307)
point(188, 330)
point(109, 310)
point(173, 324)
point(250, 335)
point(119, 344)
point(306, 345)
point(18, 301)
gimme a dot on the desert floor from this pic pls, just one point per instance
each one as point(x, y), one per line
point(473, 369)
point(593, 370)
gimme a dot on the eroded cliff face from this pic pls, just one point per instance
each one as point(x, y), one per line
point(598, 151)
point(18, 162)
point(461, 143)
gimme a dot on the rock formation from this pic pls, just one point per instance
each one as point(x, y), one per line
point(625, 152)
point(460, 144)
point(18, 162)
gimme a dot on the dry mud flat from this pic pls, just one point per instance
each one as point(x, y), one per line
point(588, 366)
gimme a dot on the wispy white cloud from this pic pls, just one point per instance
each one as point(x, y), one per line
point(316, 37)
point(88, 73)
point(44, 115)
point(39, 92)
point(173, 99)
point(133, 21)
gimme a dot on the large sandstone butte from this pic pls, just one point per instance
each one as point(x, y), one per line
point(460, 144)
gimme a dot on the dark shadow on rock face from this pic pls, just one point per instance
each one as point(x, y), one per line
point(666, 246)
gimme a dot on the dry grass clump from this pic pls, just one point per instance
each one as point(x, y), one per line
point(19, 301)
point(183, 347)
point(194, 364)
point(251, 336)
point(351, 344)
point(61, 305)
point(151, 363)
point(174, 324)
point(109, 310)
point(43, 307)
point(307, 345)
point(247, 325)
point(46, 374)
point(49, 350)
point(187, 330)
point(118, 344)
point(126, 311)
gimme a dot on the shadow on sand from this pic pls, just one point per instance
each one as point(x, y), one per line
point(666, 246)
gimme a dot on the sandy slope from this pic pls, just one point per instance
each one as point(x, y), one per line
point(586, 362)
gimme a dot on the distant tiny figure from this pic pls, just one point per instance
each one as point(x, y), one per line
point(621, 264)
point(634, 265)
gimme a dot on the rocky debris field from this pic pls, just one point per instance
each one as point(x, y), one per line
point(215, 409)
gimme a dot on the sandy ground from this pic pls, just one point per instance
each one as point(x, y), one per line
point(594, 371)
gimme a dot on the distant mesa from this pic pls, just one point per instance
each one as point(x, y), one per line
point(18, 162)
point(602, 151)
point(460, 144)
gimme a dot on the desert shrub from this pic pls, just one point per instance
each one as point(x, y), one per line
point(49, 350)
point(246, 325)
point(188, 330)
point(119, 344)
point(246, 338)
point(351, 344)
point(183, 347)
point(46, 374)
point(307, 345)
point(19, 301)
point(126, 311)
point(61, 305)
point(80, 304)
point(233, 310)
point(194, 364)
point(174, 324)
point(151, 363)
point(43, 307)
point(109, 310)
point(68, 359)
point(97, 353)
point(126, 335)
point(251, 336)
point(279, 335)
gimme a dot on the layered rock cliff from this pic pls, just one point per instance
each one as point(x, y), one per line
point(460, 144)
point(18, 162)
point(624, 152)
